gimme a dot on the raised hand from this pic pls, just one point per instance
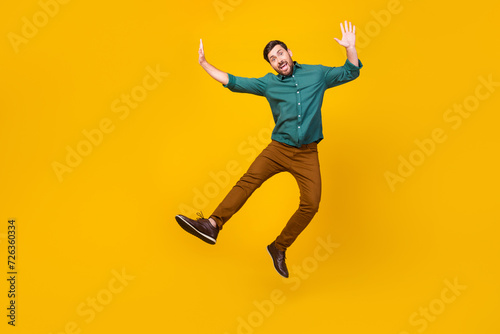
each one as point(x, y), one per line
point(201, 53)
point(215, 73)
point(348, 35)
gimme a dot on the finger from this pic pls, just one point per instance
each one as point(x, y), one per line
point(350, 27)
point(354, 29)
point(201, 44)
point(339, 41)
point(346, 27)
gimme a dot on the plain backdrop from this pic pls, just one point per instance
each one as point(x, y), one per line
point(109, 128)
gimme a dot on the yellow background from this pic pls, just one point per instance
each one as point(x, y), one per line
point(114, 212)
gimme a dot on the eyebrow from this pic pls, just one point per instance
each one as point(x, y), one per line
point(277, 52)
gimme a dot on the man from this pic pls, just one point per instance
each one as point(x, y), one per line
point(295, 95)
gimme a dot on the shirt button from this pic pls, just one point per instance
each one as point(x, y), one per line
point(296, 84)
point(299, 115)
point(297, 92)
point(299, 103)
point(299, 127)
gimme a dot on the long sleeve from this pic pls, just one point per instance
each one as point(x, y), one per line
point(256, 86)
point(335, 76)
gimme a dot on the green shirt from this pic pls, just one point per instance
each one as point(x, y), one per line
point(296, 99)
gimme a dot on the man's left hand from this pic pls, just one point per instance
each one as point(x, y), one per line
point(348, 35)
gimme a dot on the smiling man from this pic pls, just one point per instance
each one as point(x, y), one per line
point(295, 95)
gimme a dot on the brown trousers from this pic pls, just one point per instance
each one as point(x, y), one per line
point(277, 157)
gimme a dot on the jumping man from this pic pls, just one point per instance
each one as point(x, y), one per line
point(295, 95)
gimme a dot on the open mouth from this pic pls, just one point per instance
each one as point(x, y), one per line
point(283, 66)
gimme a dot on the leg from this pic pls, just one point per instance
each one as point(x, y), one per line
point(269, 162)
point(306, 171)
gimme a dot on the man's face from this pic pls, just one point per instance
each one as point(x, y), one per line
point(281, 60)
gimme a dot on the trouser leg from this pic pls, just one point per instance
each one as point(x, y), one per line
point(306, 171)
point(269, 162)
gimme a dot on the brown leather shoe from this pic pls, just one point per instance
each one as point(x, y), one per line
point(201, 228)
point(278, 260)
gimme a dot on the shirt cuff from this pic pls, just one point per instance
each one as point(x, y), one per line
point(352, 66)
point(231, 83)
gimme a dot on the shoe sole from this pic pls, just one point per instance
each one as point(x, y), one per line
point(273, 262)
point(186, 226)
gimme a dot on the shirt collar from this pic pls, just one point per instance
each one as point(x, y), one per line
point(295, 65)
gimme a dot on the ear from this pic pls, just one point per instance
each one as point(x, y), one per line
point(290, 53)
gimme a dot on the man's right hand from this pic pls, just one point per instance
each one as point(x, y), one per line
point(218, 75)
point(201, 54)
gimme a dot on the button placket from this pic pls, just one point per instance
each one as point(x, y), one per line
point(299, 109)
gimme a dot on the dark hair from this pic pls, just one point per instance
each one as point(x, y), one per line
point(270, 46)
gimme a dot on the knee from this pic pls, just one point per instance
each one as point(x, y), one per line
point(248, 183)
point(310, 205)
point(315, 206)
